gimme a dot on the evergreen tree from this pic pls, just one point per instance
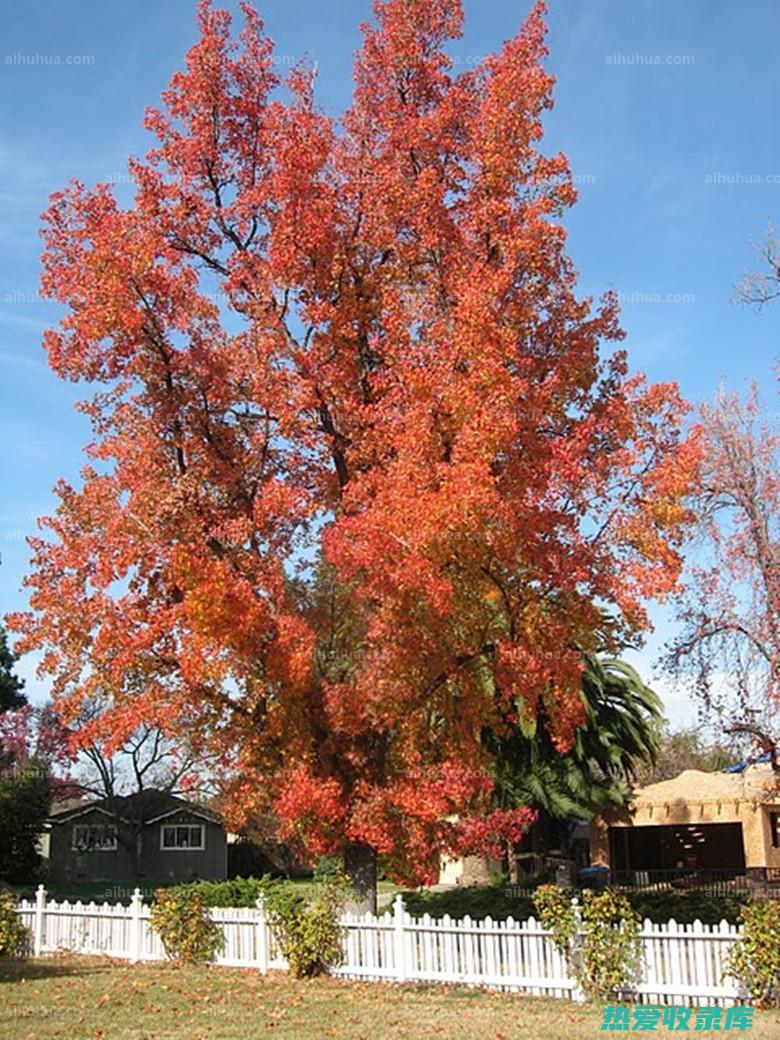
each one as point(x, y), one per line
point(11, 685)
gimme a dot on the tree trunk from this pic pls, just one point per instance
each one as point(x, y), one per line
point(360, 867)
point(511, 860)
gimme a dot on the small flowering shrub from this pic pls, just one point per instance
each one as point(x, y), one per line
point(610, 944)
point(308, 931)
point(182, 920)
point(556, 914)
point(14, 937)
point(755, 959)
point(602, 946)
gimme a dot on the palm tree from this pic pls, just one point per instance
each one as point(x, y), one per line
point(622, 718)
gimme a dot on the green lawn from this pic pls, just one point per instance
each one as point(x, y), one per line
point(84, 999)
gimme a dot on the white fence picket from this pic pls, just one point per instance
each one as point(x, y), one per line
point(678, 963)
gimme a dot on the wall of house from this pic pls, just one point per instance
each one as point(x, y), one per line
point(69, 864)
point(772, 854)
point(752, 816)
point(155, 864)
point(469, 870)
point(184, 864)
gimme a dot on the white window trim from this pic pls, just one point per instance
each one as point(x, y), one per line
point(183, 848)
point(112, 847)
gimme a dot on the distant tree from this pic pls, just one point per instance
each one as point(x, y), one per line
point(11, 685)
point(146, 760)
point(33, 733)
point(25, 796)
point(681, 749)
point(728, 644)
point(762, 286)
point(32, 748)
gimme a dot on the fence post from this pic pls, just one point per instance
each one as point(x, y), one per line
point(136, 926)
point(399, 939)
point(577, 994)
point(262, 935)
point(40, 909)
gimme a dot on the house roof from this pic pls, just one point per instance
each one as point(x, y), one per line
point(755, 783)
point(150, 805)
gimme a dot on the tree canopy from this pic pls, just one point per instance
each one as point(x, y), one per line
point(359, 345)
point(728, 642)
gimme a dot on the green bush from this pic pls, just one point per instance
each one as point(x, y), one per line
point(184, 924)
point(500, 902)
point(235, 892)
point(477, 901)
point(308, 930)
point(686, 907)
point(755, 959)
point(610, 943)
point(557, 915)
point(14, 937)
point(326, 865)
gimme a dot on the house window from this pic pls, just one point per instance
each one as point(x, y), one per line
point(182, 836)
point(774, 829)
point(94, 837)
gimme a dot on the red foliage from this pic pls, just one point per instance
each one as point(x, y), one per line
point(34, 734)
point(361, 341)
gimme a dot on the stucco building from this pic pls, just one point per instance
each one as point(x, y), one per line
point(697, 821)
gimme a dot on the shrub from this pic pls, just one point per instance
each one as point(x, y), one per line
point(14, 937)
point(516, 901)
point(308, 930)
point(687, 907)
point(601, 945)
point(327, 865)
point(610, 944)
point(182, 920)
point(557, 915)
point(755, 958)
point(235, 892)
point(477, 901)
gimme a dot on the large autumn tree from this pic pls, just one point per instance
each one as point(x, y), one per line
point(357, 346)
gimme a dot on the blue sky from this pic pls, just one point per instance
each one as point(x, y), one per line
point(666, 109)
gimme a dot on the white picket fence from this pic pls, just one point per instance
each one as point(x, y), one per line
point(678, 962)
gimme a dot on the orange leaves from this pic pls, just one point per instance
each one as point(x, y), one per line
point(311, 806)
point(516, 89)
point(364, 475)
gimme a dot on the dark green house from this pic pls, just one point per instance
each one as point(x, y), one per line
point(151, 836)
